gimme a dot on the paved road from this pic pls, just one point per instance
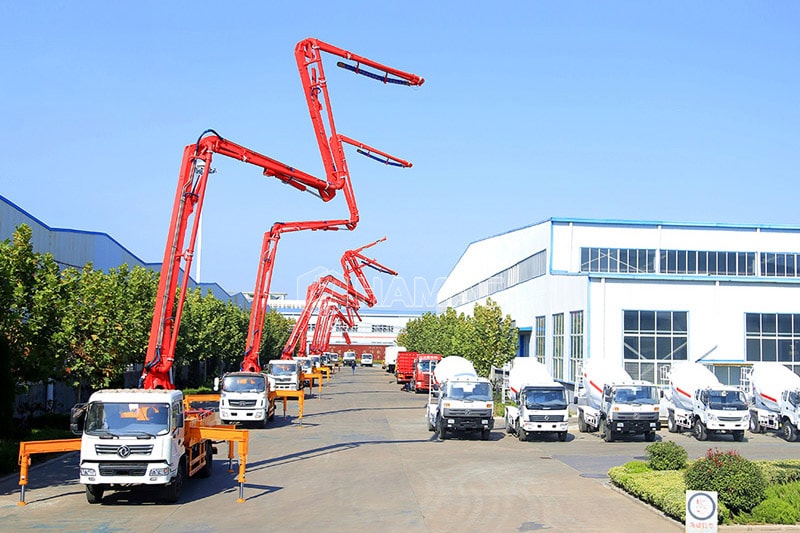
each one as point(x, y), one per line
point(363, 460)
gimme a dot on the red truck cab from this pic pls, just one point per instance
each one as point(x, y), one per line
point(423, 371)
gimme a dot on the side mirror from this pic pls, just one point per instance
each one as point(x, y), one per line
point(216, 384)
point(575, 400)
point(77, 416)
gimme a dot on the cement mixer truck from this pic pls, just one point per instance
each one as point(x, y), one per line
point(773, 391)
point(540, 401)
point(697, 401)
point(613, 403)
point(463, 402)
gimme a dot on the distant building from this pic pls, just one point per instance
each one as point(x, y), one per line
point(644, 294)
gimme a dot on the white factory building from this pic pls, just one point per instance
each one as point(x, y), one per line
point(640, 293)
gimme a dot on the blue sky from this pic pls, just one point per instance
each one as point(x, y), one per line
point(676, 111)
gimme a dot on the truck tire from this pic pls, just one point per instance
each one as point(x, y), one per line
point(605, 429)
point(755, 427)
point(700, 431)
point(172, 490)
point(738, 435)
point(583, 427)
point(788, 431)
point(441, 429)
point(94, 493)
point(649, 436)
point(522, 435)
point(562, 436)
point(509, 427)
point(486, 434)
point(431, 427)
point(672, 425)
point(207, 468)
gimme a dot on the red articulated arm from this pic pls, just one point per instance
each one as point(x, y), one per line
point(315, 88)
point(179, 251)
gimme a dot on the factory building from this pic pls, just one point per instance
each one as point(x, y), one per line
point(644, 294)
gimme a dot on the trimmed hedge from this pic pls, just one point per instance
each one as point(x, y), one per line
point(663, 489)
point(666, 456)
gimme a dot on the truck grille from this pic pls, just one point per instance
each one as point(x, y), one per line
point(468, 412)
point(123, 469)
point(730, 418)
point(635, 416)
point(132, 449)
point(546, 418)
point(242, 403)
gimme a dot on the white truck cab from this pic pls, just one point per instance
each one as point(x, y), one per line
point(245, 398)
point(366, 359)
point(284, 374)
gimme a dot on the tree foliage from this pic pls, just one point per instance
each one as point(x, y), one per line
point(486, 338)
point(87, 327)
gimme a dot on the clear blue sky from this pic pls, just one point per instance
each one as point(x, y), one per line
point(678, 111)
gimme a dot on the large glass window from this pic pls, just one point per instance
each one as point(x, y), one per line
point(653, 339)
point(558, 346)
point(575, 344)
point(624, 260)
point(780, 264)
point(540, 339)
point(707, 262)
point(773, 337)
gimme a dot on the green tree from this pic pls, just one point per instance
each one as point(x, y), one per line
point(494, 337)
point(107, 323)
point(486, 339)
point(277, 329)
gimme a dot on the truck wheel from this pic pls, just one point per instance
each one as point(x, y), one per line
point(700, 431)
point(789, 431)
point(649, 436)
point(605, 429)
point(172, 491)
point(755, 427)
point(583, 427)
point(206, 470)
point(509, 428)
point(522, 435)
point(738, 435)
point(94, 493)
point(485, 434)
point(431, 427)
point(562, 436)
point(672, 426)
point(442, 430)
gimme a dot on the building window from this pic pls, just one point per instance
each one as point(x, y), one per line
point(540, 339)
point(382, 328)
point(558, 346)
point(780, 265)
point(621, 260)
point(708, 263)
point(575, 343)
point(653, 339)
point(773, 337)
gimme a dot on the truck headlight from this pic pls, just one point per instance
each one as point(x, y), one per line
point(88, 471)
point(159, 471)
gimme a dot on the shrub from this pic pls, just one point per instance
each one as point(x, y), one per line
point(780, 472)
point(666, 456)
point(664, 490)
point(636, 467)
point(739, 483)
point(774, 511)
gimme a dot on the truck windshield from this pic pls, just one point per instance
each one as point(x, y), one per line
point(726, 400)
point(636, 394)
point(282, 369)
point(424, 366)
point(127, 419)
point(470, 391)
point(794, 398)
point(244, 384)
point(546, 399)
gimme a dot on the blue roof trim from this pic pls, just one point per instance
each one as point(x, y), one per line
point(656, 223)
point(677, 277)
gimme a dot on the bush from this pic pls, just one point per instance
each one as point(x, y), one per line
point(739, 483)
point(780, 472)
point(666, 456)
point(774, 511)
point(664, 489)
